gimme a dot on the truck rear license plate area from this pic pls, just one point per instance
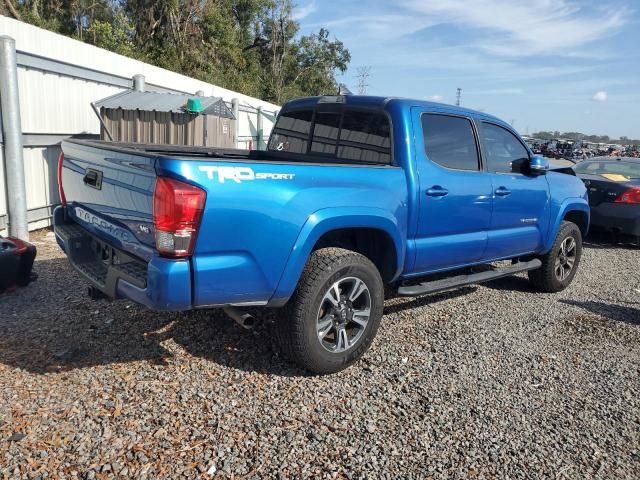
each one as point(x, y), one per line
point(100, 263)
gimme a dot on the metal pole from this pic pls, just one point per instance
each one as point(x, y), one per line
point(12, 130)
point(259, 129)
point(235, 107)
point(138, 83)
point(104, 125)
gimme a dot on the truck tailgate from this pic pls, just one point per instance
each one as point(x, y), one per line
point(111, 194)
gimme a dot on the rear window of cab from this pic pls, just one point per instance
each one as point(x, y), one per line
point(348, 135)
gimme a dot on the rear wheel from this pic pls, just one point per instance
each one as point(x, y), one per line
point(560, 264)
point(334, 313)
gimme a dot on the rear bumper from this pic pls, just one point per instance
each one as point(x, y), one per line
point(616, 217)
point(160, 284)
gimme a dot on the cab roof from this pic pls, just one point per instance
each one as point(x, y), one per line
point(382, 102)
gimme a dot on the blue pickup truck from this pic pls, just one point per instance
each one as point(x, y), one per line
point(355, 196)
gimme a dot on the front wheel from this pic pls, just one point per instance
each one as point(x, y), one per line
point(560, 264)
point(334, 313)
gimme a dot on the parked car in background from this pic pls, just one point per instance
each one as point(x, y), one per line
point(354, 194)
point(613, 185)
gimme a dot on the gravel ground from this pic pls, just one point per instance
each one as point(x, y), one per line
point(494, 381)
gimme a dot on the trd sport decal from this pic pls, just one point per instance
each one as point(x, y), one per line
point(242, 174)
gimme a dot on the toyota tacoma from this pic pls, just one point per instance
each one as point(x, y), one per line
point(354, 196)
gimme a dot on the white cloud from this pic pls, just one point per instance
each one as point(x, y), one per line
point(303, 11)
point(489, 57)
point(499, 28)
point(554, 27)
point(465, 67)
point(600, 96)
point(382, 25)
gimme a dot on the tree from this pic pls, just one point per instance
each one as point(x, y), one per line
point(577, 136)
point(7, 7)
point(116, 35)
point(251, 46)
point(275, 42)
point(544, 135)
point(319, 59)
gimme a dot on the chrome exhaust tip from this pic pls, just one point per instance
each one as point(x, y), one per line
point(244, 319)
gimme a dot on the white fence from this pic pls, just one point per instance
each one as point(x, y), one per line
point(59, 77)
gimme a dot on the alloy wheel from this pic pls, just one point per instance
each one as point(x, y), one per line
point(566, 259)
point(343, 314)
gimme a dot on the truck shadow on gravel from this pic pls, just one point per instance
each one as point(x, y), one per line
point(52, 326)
point(400, 304)
point(602, 240)
point(619, 313)
point(512, 284)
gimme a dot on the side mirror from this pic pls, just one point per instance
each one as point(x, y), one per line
point(538, 165)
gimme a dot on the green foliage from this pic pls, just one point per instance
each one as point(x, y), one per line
point(577, 136)
point(250, 46)
point(116, 35)
point(318, 57)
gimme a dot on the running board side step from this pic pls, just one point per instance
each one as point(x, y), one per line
point(441, 285)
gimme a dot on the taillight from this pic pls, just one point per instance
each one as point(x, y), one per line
point(632, 195)
point(63, 199)
point(177, 210)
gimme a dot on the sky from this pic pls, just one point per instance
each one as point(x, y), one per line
point(566, 65)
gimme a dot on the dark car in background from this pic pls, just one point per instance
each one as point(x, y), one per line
point(613, 185)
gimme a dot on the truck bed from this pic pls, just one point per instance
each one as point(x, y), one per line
point(251, 243)
point(184, 152)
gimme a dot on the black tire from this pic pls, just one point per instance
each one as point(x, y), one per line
point(299, 326)
point(547, 278)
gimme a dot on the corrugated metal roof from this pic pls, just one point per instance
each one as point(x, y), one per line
point(163, 102)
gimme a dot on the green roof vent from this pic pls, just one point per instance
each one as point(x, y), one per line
point(194, 105)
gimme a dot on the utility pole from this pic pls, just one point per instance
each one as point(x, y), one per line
point(363, 79)
point(458, 96)
point(12, 133)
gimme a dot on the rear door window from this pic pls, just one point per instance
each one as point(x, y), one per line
point(450, 142)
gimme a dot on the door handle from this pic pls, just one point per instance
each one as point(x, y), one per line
point(502, 191)
point(90, 178)
point(93, 178)
point(437, 191)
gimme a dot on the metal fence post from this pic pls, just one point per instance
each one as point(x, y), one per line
point(12, 133)
point(235, 107)
point(260, 129)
